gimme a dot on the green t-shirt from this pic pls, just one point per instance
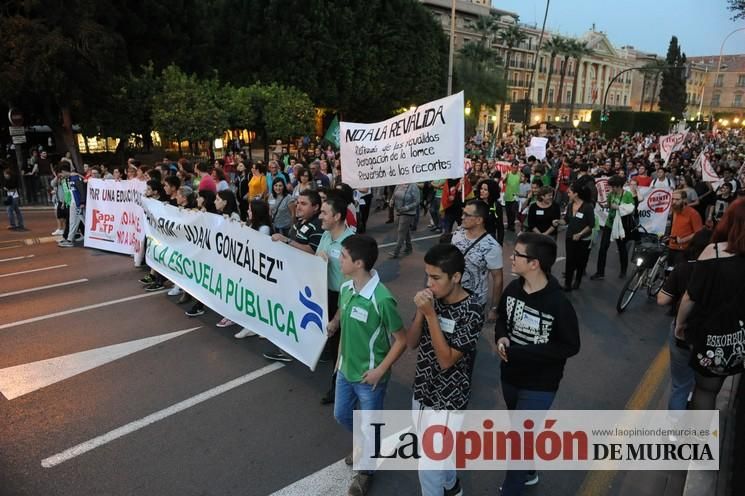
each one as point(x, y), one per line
point(512, 186)
point(368, 318)
point(614, 199)
point(332, 248)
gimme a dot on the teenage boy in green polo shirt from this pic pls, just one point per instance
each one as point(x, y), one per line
point(369, 317)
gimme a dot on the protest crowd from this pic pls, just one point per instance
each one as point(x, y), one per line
point(300, 199)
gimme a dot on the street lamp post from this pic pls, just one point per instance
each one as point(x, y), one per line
point(452, 47)
point(719, 68)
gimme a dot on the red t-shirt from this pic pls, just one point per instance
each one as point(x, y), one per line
point(207, 184)
point(642, 180)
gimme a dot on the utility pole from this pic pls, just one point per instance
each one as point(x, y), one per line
point(452, 47)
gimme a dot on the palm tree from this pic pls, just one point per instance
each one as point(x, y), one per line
point(578, 50)
point(510, 38)
point(655, 68)
point(554, 46)
point(567, 53)
point(486, 27)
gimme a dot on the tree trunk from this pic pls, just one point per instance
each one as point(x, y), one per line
point(180, 151)
point(574, 90)
point(265, 138)
point(561, 81)
point(69, 138)
point(147, 140)
point(121, 147)
point(548, 84)
point(653, 100)
point(87, 146)
point(506, 80)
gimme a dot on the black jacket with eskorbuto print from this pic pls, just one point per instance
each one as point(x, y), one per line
point(543, 331)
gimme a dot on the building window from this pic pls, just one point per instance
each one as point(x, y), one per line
point(569, 96)
point(741, 80)
point(737, 102)
point(540, 95)
point(542, 64)
point(625, 100)
point(720, 80)
point(514, 96)
point(715, 100)
point(550, 95)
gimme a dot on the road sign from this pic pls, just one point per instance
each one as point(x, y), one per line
point(17, 130)
point(15, 117)
point(19, 140)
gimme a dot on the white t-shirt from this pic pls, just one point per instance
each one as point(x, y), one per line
point(481, 259)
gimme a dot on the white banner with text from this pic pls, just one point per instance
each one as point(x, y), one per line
point(423, 144)
point(113, 217)
point(653, 209)
point(266, 286)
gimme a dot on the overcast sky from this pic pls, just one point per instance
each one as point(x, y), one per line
point(647, 25)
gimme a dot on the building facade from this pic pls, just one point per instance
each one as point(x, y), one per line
point(720, 87)
point(552, 100)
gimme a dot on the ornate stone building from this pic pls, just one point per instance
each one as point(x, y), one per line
point(595, 71)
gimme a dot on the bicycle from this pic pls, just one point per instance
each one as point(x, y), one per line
point(650, 257)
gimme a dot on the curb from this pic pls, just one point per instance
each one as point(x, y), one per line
point(16, 243)
point(39, 208)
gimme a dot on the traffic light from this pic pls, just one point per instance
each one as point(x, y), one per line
point(604, 116)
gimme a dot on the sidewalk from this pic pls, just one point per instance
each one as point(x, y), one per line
point(39, 221)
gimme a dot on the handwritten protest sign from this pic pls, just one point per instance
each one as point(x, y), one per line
point(113, 217)
point(271, 288)
point(537, 147)
point(423, 144)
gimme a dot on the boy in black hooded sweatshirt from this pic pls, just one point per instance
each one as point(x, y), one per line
point(535, 333)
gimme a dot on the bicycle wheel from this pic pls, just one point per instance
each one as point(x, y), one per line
point(657, 277)
point(630, 287)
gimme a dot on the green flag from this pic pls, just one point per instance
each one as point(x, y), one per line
point(332, 133)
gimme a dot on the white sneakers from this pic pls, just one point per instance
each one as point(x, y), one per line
point(245, 333)
point(225, 323)
point(57, 232)
point(174, 291)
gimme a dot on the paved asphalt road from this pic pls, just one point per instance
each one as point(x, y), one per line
point(269, 432)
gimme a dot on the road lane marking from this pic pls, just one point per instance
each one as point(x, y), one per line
point(386, 245)
point(131, 427)
point(16, 258)
point(79, 309)
point(33, 270)
point(335, 478)
point(40, 288)
point(599, 482)
point(20, 380)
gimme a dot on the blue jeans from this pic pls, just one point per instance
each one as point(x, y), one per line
point(436, 477)
point(681, 374)
point(434, 211)
point(15, 218)
point(522, 399)
point(356, 394)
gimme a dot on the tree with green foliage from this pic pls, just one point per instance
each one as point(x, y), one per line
point(188, 108)
point(478, 74)
point(363, 59)
point(737, 7)
point(554, 46)
point(282, 112)
point(673, 89)
point(510, 38)
point(578, 50)
point(565, 52)
point(53, 57)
